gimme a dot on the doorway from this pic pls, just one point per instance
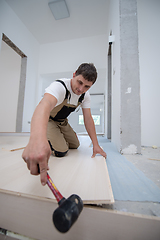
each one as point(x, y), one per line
point(13, 64)
point(97, 110)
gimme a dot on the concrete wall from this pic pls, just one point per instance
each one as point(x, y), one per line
point(145, 101)
point(149, 56)
point(130, 120)
point(15, 30)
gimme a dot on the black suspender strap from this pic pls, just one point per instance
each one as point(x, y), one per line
point(67, 92)
point(81, 98)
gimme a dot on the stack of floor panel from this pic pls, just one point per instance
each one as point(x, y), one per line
point(76, 173)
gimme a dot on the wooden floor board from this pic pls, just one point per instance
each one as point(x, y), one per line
point(13, 142)
point(75, 173)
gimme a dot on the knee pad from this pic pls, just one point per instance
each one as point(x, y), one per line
point(60, 154)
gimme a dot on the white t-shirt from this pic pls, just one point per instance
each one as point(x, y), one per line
point(58, 91)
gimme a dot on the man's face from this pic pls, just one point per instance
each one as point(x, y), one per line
point(79, 85)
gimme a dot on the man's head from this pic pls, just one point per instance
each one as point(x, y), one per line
point(83, 78)
point(88, 71)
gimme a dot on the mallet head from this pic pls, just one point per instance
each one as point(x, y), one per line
point(67, 213)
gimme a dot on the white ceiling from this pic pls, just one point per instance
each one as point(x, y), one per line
point(87, 18)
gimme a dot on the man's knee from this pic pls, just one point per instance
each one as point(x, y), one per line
point(57, 153)
point(74, 145)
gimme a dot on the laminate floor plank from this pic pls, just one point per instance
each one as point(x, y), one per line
point(13, 142)
point(76, 173)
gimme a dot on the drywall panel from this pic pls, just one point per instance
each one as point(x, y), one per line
point(75, 173)
point(32, 217)
point(149, 57)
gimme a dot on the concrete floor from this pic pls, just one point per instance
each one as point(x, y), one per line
point(149, 163)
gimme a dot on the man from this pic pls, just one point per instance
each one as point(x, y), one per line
point(50, 130)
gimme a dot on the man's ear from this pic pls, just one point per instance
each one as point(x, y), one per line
point(74, 74)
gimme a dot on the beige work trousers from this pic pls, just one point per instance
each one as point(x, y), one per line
point(62, 136)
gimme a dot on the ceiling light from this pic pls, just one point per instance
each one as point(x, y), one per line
point(59, 9)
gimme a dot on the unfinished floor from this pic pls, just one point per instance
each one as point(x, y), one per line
point(143, 169)
point(148, 162)
point(137, 176)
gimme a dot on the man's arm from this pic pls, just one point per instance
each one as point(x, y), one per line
point(90, 127)
point(37, 152)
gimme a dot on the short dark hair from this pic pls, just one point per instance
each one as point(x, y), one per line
point(88, 71)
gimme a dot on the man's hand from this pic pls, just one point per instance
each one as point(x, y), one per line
point(37, 152)
point(97, 149)
point(36, 155)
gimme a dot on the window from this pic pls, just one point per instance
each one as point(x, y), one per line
point(96, 119)
point(81, 121)
point(97, 110)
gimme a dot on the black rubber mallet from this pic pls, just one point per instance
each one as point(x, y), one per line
point(68, 211)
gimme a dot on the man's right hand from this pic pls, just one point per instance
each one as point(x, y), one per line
point(38, 151)
point(36, 155)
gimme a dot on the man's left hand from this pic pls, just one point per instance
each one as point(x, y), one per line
point(97, 149)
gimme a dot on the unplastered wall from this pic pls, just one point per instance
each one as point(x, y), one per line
point(61, 59)
point(149, 56)
point(16, 31)
point(115, 72)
